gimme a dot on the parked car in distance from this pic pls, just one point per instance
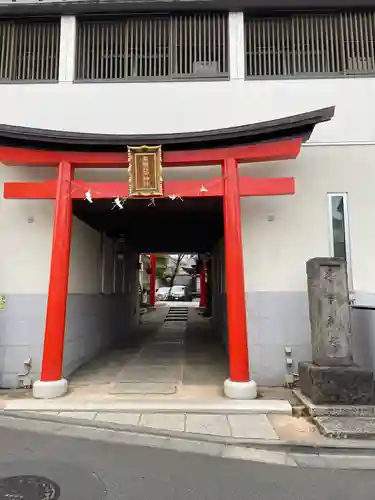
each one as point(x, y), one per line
point(163, 293)
point(178, 292)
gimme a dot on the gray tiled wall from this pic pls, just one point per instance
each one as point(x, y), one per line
point(276, 320)
point(279, 319)
point(93, 323)
point(363, 327)
point(22, 323)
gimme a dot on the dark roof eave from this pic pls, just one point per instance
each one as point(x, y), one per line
point(300, 125)
point(82, 7)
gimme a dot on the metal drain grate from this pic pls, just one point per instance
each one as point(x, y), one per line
point(47, 479)
point(29, 488)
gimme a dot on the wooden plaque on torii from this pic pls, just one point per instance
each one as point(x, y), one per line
point(145, 171)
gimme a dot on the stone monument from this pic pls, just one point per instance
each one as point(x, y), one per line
point(332, 377)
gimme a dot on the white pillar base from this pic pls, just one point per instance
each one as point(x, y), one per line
point(51, 389)
point(240, 390)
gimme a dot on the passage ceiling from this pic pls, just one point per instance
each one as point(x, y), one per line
point(191, 225)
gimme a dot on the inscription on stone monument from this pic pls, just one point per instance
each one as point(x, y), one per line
point(332, 377)
point(328, 292)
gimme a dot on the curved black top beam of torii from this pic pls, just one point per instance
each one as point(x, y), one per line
point(295, 126)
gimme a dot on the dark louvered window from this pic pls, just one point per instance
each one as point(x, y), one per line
point(310, 45)
point(153, 48)
point(29, 50)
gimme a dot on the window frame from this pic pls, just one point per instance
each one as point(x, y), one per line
point(14, 24)
point(344, 196)
point(171, 76)
point(341, 52)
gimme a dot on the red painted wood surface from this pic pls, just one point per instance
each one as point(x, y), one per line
point(185, 189)
point(59, 275)
point(235, 284)
point(203, 288)
point(152, 279)
point(269, 151)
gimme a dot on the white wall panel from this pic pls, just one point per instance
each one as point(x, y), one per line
point(281, 233)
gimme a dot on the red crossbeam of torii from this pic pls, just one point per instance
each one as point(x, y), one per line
point(248, 186)
point(46, 190)
point(268, 151)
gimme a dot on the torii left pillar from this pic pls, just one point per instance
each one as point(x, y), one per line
point(51, 383)
point(239, 384)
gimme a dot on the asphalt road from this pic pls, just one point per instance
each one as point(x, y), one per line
point(80, 469)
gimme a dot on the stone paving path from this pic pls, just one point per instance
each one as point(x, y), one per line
point(174, 347)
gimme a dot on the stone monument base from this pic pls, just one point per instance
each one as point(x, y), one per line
point(347, 385)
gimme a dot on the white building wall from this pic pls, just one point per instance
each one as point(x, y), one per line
point(279, 233)
point(295, 228)
point(190, 106)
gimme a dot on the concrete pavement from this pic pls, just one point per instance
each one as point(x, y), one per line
point(91, 469)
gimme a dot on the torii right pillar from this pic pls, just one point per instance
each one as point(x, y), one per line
point(239, 384)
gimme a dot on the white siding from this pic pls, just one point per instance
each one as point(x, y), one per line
point(26, 241)
point(26, 236)
point(276, 250)
point(190, 106)
point(85, 259)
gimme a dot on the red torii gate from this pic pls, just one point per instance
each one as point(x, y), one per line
point(230, 186)
point(272, 145)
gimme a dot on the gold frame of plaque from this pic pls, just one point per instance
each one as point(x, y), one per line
point(145, 171)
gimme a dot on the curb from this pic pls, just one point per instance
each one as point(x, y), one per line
point(250, 407)
point(306, 448)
